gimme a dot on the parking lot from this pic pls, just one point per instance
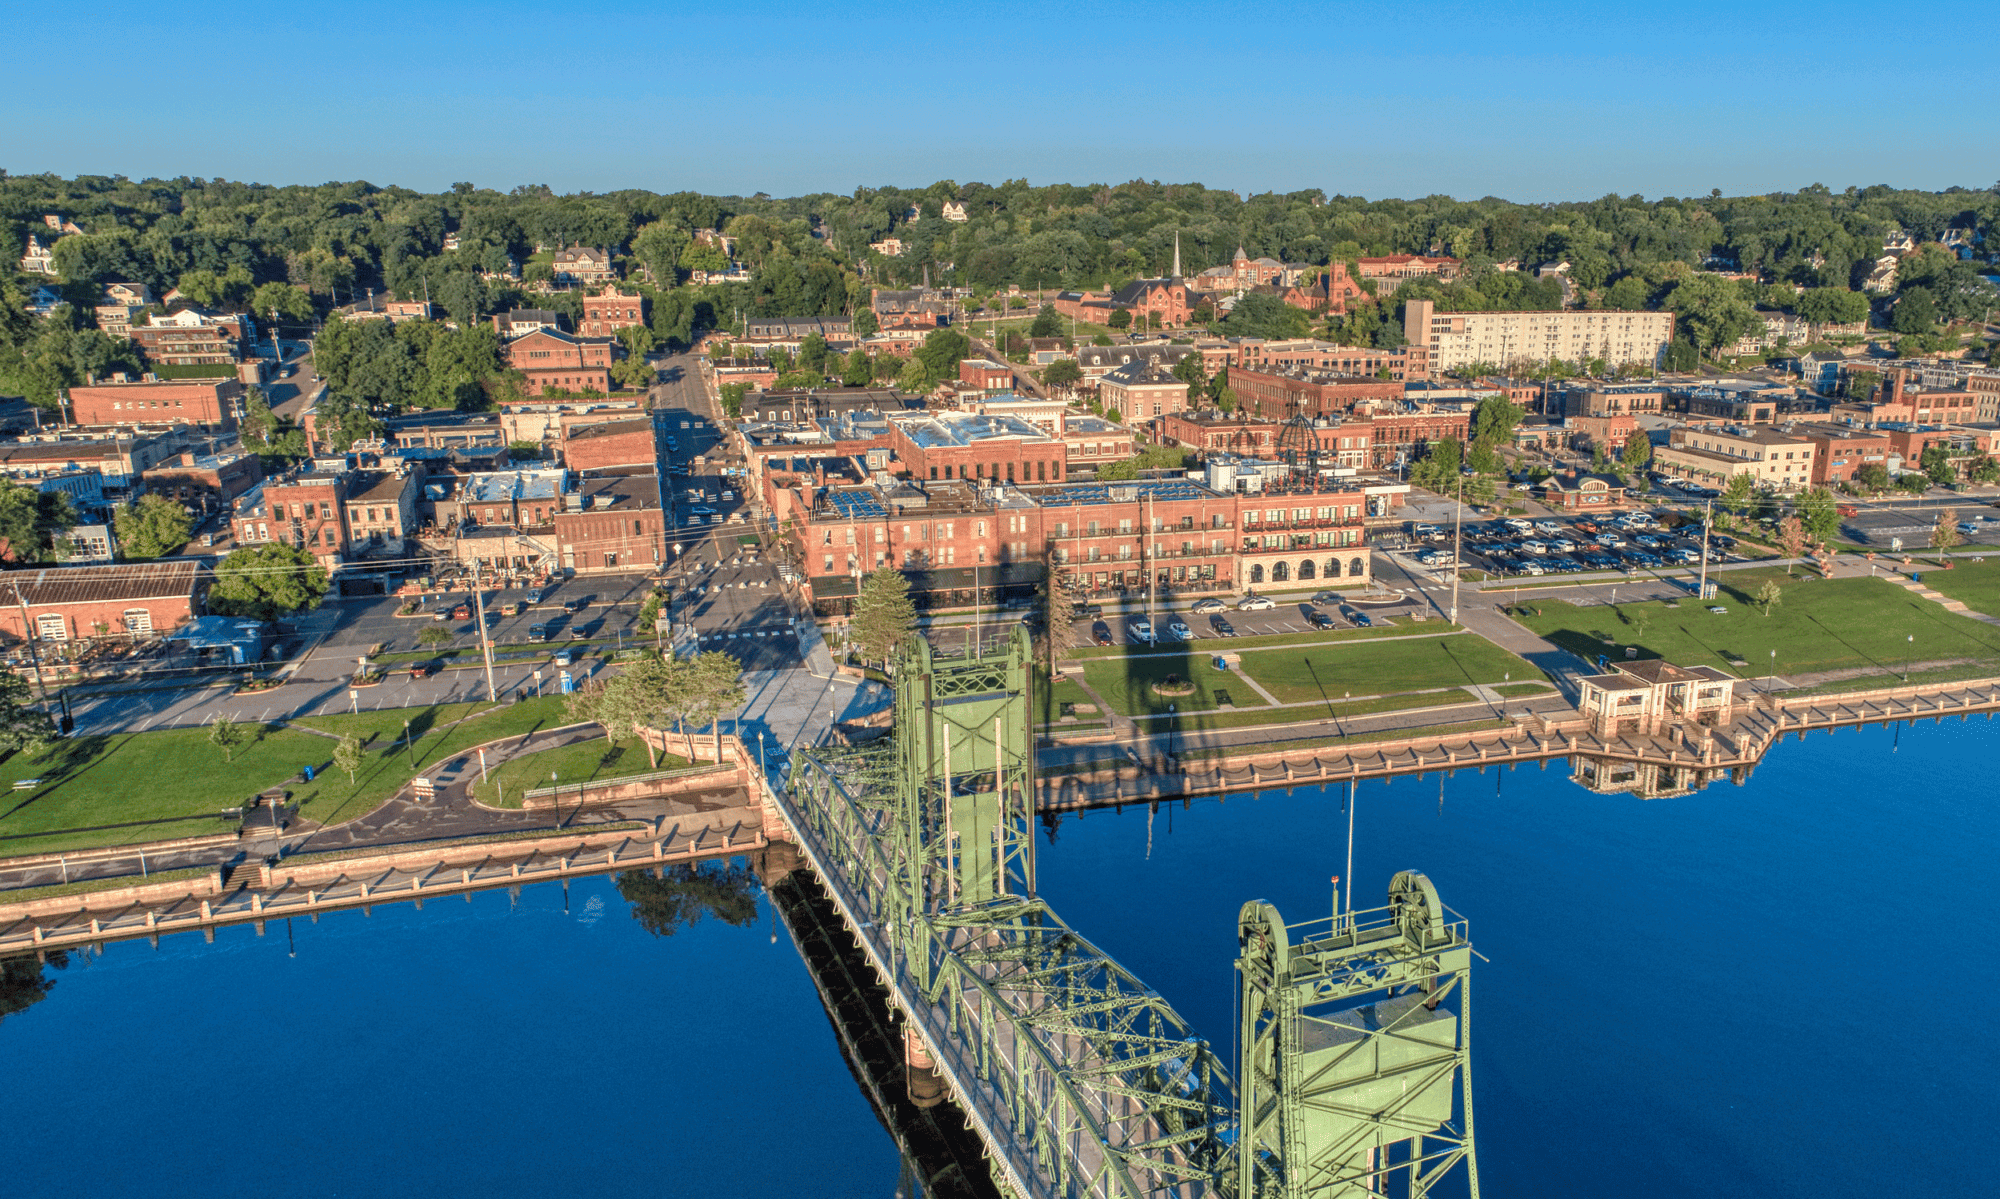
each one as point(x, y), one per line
point(1222, 620)
point(1518, 546)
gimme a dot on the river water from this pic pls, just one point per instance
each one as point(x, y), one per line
point(1783, 987)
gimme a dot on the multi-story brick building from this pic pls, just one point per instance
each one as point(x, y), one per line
point(985, 374)
point(1098, 361)
point(612, 523)
point(916, 308)
point(1242, 273)
point(204, 482)
point(67, 602)
point(607, 444)
point(211, 403)
point(1841, 450)
point(191, 337)
point(1507, 339)
point(606, 313)
point(382, 512)
point(1275, 393)
point(305, 509)
point(1390, 270)
point(494, 499)
point(960, 445)
point(1142, 391)
point(546, 420)
point(553, 360)
point(1091, 441)
point(120, 461)
point(522, 321)
point(119, 305)
point(1157, 303)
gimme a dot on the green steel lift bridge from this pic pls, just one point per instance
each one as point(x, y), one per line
point(1351, 1060)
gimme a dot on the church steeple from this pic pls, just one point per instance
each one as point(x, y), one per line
point(1177, 254)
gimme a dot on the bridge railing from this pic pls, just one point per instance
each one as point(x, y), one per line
point(1084, 1081)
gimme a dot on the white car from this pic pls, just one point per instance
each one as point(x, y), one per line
point(1547, 526)
point(1518, 525)
point(1535, 547)
point(1255, 603)
point(1209, 607)
point(1179, 631)
point(1142, 631)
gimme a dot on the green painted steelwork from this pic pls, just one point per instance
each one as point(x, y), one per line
point(1083, 1080)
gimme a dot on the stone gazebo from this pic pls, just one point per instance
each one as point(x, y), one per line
point(1645, 696)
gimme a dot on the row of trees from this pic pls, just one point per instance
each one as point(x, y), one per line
point(661, 691)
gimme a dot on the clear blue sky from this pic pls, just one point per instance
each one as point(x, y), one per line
point(1548, 101)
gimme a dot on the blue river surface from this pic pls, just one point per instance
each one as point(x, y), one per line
point(1782, 987)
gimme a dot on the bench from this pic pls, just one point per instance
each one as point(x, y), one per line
point(26, 784)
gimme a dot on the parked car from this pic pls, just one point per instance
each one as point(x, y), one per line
point(1207, 606)
point(1518, 525)
point(1141, 632)
point(538, 632)
point(1548, 526)
point(575, 605)
point(564, 657)
point(1327, 597)
point(1320, 620)
point(512, 608)
point(1222, 626)
point(1101, 633)
point(422, 670)
point(1255, 603)
point(535, 596)
point(462, 612)
point(1180, 632)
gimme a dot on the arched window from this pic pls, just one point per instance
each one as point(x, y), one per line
point(1332, 570)
point(1306, 571)
point(1256, 574)
point(1356, 569)
point(1280, 572)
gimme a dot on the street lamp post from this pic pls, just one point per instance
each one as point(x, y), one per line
point(555, 796)
point(1911, 641)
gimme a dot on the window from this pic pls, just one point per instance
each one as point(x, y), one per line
point(52, 627)
point(636, 530)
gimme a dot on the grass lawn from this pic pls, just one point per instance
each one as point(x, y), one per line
point(1124, 684)
point(1052, 698)
point(1379, 667)
point(178, 778)
point(1219, 645)
point(1976, 585)
point(1368, 705)
point(1822, 624)
point(1510, 690)
point(581, 763)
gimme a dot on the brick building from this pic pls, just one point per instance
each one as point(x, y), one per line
point(212, 403)
point(1389, 270)
point(191, 337)
point(612, 523)
point(525, 320)
point(546, 420)
point(1098, 361)
point(985, 374)
point(1841, 450)
point(582, 266)
point(305, 509)
point(605, 314)
point(607, 444)
point(912, 309)
point(1507, 339)
point(1142, 391)
point(204, 482)
point(121, 461)
point(1168, 302)
point(1275, 393)
point(554, 360)
point(1242, 273)
point(382, 512)
point(960, 445)
point(67, 602)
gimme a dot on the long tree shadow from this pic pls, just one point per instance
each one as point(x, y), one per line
point(79, 756)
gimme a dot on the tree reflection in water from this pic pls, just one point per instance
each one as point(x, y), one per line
point(677, 897)
point(22, 982)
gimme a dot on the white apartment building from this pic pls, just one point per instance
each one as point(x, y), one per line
point(1510, 339)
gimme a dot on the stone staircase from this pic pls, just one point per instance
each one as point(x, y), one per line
point(1944, 601)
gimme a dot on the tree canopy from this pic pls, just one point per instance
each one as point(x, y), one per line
point(266, 582)
point(152, 526)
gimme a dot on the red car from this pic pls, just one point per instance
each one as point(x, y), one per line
point(462, 612)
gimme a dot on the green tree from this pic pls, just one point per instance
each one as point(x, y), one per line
point(267, 581)
point(1062, 375)
point(865, 323)
point(1769, 596)
point(286, 300)
point(24, 728)
point(347, 756)
point(1872, 477)
point(1638, 451)
point(1820, 513)
point(883, 613)
point(1944, 534)
point(1985, 469)
point(434, 636)
point(732, 399)
point(1916, 312)
point(227, 736)
point(858, 370)
point(942, 351)
point(1120, 319)
point(915, 379)
point(33, 523)
point(701, 689)
point(152, 527)
point(1737, 495)
point(1048, 323)
point(1936, 463)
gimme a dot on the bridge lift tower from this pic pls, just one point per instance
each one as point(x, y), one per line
point(1353, 1045)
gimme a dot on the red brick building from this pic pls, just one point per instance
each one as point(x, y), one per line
point(554, 360)
point(985, 374)
point(1401, 434)
point(1390, 270)
point(216, 403)
point(67, 602)
point(615, 524)
point(960, 445)
point(1275, 394)
point(204, 483)
point(605, 314)
point(609, 444)
point(305, 509)
point(1168, 301)
point(1844, 450)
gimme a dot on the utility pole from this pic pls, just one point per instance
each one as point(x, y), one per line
point(485, 646)
point(1707, 521)
point(1458, 545)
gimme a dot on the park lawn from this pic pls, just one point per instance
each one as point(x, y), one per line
point(1065, 690)
point(174, 776)
point(442, 733)
point(1975, 584)
point(1821, 624)
point(1220, 645)
point(1384, 667)
point(1511, 690)
point(1125, 684)
point(584, 762)
point(1367, 705)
